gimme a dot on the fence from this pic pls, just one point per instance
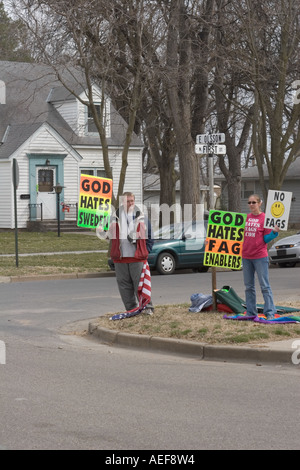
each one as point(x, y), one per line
point(35, 212)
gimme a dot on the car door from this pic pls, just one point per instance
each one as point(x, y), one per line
point(192, 244)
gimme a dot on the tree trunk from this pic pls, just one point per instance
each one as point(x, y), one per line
point(178, 90)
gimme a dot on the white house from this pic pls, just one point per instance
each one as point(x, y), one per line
point(52, 138)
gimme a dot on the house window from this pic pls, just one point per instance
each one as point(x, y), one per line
point(91, 126)
point(248, 188)
point(100, 172)
point(104, 117)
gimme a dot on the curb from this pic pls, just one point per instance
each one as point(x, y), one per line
point(257, 354)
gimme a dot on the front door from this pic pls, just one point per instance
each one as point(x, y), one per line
point(46, 195)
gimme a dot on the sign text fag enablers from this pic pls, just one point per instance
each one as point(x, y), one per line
point(224, 239)
point(94, 201)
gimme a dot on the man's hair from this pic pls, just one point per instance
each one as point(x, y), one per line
point(128, 193)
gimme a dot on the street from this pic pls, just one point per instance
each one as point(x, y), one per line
point(65, 391)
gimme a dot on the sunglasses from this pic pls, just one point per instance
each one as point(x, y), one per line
point(252, 202)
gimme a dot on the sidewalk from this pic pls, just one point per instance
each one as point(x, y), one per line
point(54, 253)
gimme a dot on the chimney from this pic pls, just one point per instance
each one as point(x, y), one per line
point(2, 93)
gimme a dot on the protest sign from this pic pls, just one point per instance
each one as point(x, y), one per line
point(94, 202)
point(224, 239)
point(278, 209)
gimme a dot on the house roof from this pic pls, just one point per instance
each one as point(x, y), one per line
point(251, 173)
point(29, 88)
point(293, 171)
point(151, 183)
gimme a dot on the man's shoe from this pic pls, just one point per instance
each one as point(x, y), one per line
point(148, 311)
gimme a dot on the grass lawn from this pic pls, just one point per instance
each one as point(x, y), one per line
point(37, 242)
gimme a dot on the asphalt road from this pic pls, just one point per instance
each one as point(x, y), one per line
point(63, 391)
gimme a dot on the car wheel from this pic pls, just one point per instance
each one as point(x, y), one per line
point(166, 263)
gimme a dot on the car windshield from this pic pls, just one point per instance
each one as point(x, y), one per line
point(168, 232)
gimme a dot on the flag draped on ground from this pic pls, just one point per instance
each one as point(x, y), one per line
point(261, 318)
point(144, 295)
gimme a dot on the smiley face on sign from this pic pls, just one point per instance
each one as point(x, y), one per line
point(277, 209)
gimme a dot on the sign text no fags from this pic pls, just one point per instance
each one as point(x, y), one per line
point(278, 209)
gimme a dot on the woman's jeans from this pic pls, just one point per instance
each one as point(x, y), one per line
point(261, 267)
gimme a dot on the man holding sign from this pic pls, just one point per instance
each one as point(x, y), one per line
point(131, 242)
point(255, 258)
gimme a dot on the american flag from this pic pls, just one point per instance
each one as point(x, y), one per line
point(144, 295)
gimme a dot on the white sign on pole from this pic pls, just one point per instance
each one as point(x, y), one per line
point(278, 209)
point(2, 353)
point(215, 149)
point(210, 138)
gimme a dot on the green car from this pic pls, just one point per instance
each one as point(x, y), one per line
point(179, 246)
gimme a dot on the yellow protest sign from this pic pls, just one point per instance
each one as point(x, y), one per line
point(94, 201)
point(224, 239)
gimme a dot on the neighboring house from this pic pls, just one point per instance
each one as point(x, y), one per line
point(251, 185)
point(151, 184)
point(52, 137)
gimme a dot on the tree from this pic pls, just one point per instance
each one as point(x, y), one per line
point(188, 35)
point(271, 59)
point(99, 38)
point(233, 107)
point(173, 66)
point(12, 39)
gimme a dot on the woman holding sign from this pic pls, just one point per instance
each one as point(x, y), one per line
point(255, 258)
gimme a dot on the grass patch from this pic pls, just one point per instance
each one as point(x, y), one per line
point(54, 264)
point(248, 338)
point(175, 321)
point(281, 332)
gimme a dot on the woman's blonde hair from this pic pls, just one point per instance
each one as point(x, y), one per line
point(257, 197)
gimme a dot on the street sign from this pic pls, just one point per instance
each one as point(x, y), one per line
point(15, 173)
point(215, 149)
point(210, 138)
